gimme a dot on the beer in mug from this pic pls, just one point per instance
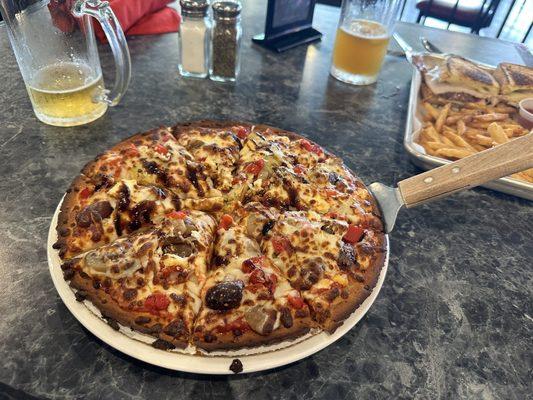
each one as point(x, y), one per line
point(362, 39)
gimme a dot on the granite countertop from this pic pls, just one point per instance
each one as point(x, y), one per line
point(454, 318)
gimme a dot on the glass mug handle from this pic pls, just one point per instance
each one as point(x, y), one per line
point(102, 12)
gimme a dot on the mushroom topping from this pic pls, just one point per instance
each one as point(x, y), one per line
point(178, 246)
point(224, 295)
point(175, 328)
point(347, 259)
point(267, 227)
point(195, 144)
point(329, 227)
point(310, 273)
point(286, 317)
point(255, 224)
point(95, 261)
point(93, 213)
point(112, 262)
point(141, 213)
point(334, 227)
point(261, 320)
point(184, 227)
point(334, 178)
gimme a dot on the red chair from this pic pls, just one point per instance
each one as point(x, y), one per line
point(474, 14)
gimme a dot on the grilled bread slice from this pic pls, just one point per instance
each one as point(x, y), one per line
point(516, 82)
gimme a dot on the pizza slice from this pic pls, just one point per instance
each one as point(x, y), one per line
point(330, 190)
point(215, 148)
point(94, 215)
point(331, 262)
point(154, 158)
point(259, 176)
point(246, 300)
point(150, 280)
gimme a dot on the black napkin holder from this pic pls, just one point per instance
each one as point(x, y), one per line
point(288, 24)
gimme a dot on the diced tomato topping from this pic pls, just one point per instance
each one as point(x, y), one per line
point(272, 282)
point(255, 167)
point(242, 132)
point(165, 138)
point(247, 266)
point(255, 287)
point(156, 302)
point(239, 324)
point(296, 301)
point(313, 148)
point(132, 150)
point(161, 149)
point(86, 192)
point(252, 263)
point(257, 276)
point(225, 222)
point(238, 179)
point(353, 234)
point(280, 244)
point(165, 272)
point(117, 172)
point(331, 192)
point(177, 214)
point(299, 169)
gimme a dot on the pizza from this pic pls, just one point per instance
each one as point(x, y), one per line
point(219, 236)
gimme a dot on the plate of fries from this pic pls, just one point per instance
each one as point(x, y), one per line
point(438, 132)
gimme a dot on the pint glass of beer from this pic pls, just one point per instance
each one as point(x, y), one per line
point(365, 28)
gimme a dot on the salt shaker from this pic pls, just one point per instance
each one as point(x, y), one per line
point(194, 35)
point(225, 41)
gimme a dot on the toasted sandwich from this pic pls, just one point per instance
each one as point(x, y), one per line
point(457, 79)
point(516, 82)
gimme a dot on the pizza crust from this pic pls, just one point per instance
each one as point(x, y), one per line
point(65, 220)
point(111, 310)
point(228, 341)
point(359, 291)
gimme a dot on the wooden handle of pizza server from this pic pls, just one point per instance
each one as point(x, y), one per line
point(502, 160)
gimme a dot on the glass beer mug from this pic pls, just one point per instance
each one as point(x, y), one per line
point(362, 38)
point(55, 47)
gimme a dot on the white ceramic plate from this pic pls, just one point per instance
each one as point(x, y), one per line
point(137, 345)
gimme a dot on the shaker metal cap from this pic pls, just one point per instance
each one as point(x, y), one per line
point(195, 8)
point(226, 9)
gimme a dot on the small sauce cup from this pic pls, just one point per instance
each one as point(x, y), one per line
point(525, 113)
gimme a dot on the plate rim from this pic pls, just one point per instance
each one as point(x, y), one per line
point(199, 364)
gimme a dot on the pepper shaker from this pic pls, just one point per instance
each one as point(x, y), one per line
point(194, 35)
point(225, 41)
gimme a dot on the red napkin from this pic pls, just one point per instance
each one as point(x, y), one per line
point(142, 17)
point(162, 21)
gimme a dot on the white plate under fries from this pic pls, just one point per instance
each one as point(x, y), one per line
point(425, 161)
point(137, 345)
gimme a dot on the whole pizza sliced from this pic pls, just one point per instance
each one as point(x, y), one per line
point(223, 235)
point(151, 280)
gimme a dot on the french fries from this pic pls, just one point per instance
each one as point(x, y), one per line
point(497, 133)
point(454, 131)
point(441, 119)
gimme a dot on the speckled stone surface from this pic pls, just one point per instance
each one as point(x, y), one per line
point(454, 319)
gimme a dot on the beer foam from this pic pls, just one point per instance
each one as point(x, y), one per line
point(366, 29)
